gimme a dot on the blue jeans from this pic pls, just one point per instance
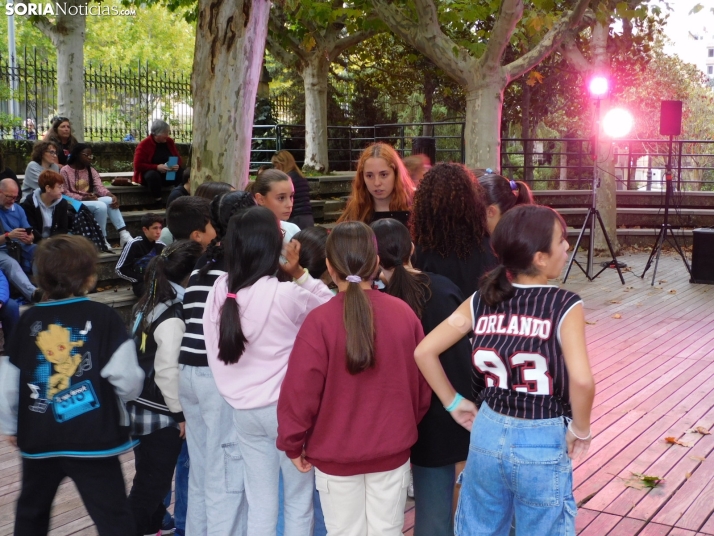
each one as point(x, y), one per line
point(101, 210)
point(521, 466)
point(319, 530)
point(181, 490)
point(9, 315)
point(16, 274)
point(434, 500)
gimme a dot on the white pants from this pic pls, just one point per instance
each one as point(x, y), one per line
point(100, 209)
point(364, 505)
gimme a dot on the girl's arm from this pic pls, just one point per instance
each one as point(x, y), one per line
point(580, 378)
point(99, 189)
point(168, 336)
point(443, 337)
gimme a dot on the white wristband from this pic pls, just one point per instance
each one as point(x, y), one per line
point(570, 428)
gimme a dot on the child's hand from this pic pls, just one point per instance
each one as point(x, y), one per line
point(465, 413)
point(182, 430)
point(292, 256)
point(12, 440)
point(301, 463)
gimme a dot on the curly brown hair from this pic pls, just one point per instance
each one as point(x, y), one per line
point(449, 211)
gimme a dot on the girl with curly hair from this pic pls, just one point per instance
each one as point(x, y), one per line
point(381, 188)
point(448, 225)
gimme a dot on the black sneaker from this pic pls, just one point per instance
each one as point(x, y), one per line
point(37, 295)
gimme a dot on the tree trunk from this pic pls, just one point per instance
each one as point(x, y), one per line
point(482, 131)
point(314, 76)
point(606, 192)
point(526, 132)
point(230, 40)
point(67, 35)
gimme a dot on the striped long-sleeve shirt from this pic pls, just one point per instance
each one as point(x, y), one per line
point(193, 345)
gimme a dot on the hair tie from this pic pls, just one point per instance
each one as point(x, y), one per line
point(514, 186)
point(398, 263)
point(353, 279)
point(489, 171)
point(230, 295)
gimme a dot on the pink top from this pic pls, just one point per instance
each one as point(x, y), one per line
point(76, 183)
point(271, 314)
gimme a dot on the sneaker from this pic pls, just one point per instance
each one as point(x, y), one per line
point(108, 245)
point(168, 526)
point(124, 237)
point(37, 295)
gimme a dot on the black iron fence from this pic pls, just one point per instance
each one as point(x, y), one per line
point(639, 164)
point(119, 104)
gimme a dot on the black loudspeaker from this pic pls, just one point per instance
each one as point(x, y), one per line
point(703, 256)
point(670, 118)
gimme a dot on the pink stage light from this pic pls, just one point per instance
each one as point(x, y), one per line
point(599, 86)
point(617, 123)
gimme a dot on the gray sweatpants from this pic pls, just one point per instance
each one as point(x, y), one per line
point(257, 431)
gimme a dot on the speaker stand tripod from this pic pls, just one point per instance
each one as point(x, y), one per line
point(591, 219)
point(665, 227)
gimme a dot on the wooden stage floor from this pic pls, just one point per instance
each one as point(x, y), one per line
point(652, 353)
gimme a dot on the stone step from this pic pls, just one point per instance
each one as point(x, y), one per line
point(133, 223)
point(120, 298)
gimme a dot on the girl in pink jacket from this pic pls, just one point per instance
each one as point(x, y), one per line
point(250, 324)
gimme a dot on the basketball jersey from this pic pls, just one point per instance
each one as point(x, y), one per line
point(518, 364)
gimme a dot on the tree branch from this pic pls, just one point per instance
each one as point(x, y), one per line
point(550, 42)
point(428, 15)
point(287, 44)
point(511, 12)
point(344, 43)
point(428, 39)
point(43, 24)
point(574, 56)
point(279, 53)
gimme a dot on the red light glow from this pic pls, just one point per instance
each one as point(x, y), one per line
point(617, 123)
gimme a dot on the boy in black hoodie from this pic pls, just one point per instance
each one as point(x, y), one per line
point(139, 251)
point(71, 368)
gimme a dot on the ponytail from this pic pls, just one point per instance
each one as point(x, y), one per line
point(173, 265)
point(352, 251)
point(359, 324)
point(395, 248)
point(252, 249)
point(495, 286)
point(524, 196)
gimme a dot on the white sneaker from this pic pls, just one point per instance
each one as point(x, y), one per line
point(106, 243)
point(124, 237)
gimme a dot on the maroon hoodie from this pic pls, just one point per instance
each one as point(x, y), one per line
point(353, 424)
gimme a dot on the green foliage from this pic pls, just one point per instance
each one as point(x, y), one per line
point(7, 121)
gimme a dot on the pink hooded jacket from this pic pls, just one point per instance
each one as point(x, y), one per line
point(271, 314)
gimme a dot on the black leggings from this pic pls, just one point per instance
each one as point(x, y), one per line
point(155, 181)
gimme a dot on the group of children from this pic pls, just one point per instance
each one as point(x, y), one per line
point(295, 365)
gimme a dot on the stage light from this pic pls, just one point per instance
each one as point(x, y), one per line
point(617, 123)
point(599, 86)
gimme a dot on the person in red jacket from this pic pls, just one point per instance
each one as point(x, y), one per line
point(353, 396)
point(151, 158)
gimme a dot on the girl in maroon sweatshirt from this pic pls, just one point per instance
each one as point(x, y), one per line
point(353, 396)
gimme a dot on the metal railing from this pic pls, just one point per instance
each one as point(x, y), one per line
point(119, 104)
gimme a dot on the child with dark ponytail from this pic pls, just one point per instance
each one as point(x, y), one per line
point(352, 395)
point(502, 195)
point(531, 379)
point(442, 442)
point(250, 323)
point(156, 416)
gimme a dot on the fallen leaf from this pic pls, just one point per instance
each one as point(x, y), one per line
point(590, 323)
point(672, 291)
point(687, 475)
point(701, 430)
point(638, 304)
point(617, 316)
point(586, 499)
point(615, 301)
point(698, 458)
point(658, 288)
point(642, 481)
point(661, 281)
point(674, 441)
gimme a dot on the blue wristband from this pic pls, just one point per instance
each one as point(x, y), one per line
point(451, 407)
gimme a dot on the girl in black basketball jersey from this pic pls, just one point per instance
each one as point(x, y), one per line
point(531, 378)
